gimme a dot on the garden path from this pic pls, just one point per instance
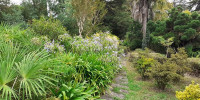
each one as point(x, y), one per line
point(119, 87)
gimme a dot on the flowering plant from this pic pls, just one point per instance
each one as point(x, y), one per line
point(53, 47)
point(191, 92)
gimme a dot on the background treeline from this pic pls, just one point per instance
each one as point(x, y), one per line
point(121, 17)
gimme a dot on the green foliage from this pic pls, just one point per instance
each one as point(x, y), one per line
point(74, 91)
point(133, 39)
point(191, 92)
point(184, 27)
point(19, 36)
point(93, 69)
point(195, 66)
point(117, 19)
point(12, 16)
point(144, 66)
point(180, 59)
point(165, 73)
point(51, 28)
point(29, 76)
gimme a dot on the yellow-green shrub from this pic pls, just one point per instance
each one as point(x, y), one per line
point(51, 28)
point(191, 92)
point(143, 66)
point(180, 58)
point(164, 73)
point(195, 66)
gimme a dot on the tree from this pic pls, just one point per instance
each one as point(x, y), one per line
point(5, 2)
point(117, 19)
point(140, 12)
point(182, 25)
point(34, 9)
point(194, 3)
point(87, 12)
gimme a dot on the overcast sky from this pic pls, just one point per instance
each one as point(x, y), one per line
point(16, 1)
point(19, 1)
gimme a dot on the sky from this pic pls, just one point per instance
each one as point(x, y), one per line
point(16, 1)
point(19, 1)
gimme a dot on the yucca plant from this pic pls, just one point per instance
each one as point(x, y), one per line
point(22, 73)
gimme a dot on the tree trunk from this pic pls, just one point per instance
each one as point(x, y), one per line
point(144, 22)
point(140, 11)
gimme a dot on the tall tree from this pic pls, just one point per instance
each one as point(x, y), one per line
point(117, 19)
point(140, 10)
point(87, 12)
point(194, 4)
point(4, 2)
point(34, 8)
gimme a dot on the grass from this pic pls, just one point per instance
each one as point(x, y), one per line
point(146, 90)
point(116, 98)
point(116, 89)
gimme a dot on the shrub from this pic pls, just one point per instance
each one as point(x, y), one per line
point(191, 92)
point(180, 59)
point(195, 65)
point(165, 73)
point(18, 36)
point(49, 27)
point(53, 47)
point(144, 66)
point(95, 70)
point(105, 43)
point(65, 40)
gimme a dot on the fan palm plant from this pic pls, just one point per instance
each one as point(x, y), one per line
point(22, 73)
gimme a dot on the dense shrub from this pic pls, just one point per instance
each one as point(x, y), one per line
point(96, 70)
point(165, 73)
point(195, 66)
point(65, 39)
point(180, 59)
point(144, 66)
point(99, 42)
point(191, 92)
point(51, 28)
point(71, 62)
point(18, 36)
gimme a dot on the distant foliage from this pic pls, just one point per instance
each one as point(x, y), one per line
point(191, 92)
point(12, 15)
point(183, 26)
point(133, 38)
point(51, 27)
